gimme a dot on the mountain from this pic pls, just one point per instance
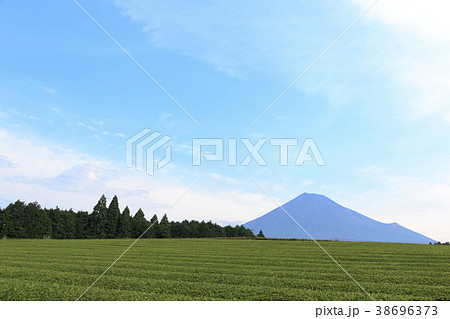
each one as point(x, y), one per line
point(325, 219)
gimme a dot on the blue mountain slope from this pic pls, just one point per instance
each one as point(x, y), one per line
point(323, 218)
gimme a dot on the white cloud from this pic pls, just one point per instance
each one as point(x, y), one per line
point(166, 116)
point(418, 60)
point(56, 110)
point(5, 162)
point(82, 178)
point(46, 89)
point(416, 203)
point(222, 178)
point(422, 19)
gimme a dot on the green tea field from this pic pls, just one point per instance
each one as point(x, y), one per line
point(221, 269)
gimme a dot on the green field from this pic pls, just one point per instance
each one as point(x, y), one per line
point(221, 269)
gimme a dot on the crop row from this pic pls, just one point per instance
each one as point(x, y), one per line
point(220, 270)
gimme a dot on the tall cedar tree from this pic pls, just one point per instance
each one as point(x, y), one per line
point(154, 229)
point(97, 219)
point(112, 218)
point(14, 217)
point(260, 234)
point(229, 231)
point(140, 224)
point(81, 224)
point(37, 222)
point(125, 227)
point(164, 227)
point(63, 223)
point(2, 223)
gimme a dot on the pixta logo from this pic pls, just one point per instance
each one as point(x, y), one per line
point(141, 149)
point(307, 152)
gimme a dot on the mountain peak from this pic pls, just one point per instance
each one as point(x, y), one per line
point(323, 218)
point(312, 196)
point(313, 199)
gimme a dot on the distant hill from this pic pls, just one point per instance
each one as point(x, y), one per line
point(325, 219)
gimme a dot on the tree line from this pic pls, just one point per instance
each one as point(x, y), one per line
point(21, 220)
point(439, 243)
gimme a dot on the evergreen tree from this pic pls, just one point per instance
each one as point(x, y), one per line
point(218, 231)
point(125, 229)
point(37, 222)
point(260, 234)
point(185, 229)
point(245, 232)
point(194, 229)
point(154, 229)
point(81, 224)
point(63, 223)
point(97, 220)
point(139, 223)
point(164, 227)
point(14, 220)
point(202, 229)
point(112, 219)
point(229, 231)
point(2, 223)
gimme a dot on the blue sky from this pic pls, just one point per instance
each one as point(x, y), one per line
point(377, 104)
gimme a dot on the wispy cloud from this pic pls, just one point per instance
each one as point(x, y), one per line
point(45, 89)
point(57, 110)
point(82, 178)
point(166, 116)
point(234, 36)
point(399, 50)
point(5, 162)
point(99, 123)
point(222, 178)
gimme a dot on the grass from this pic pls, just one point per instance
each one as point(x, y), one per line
point(221, 269)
